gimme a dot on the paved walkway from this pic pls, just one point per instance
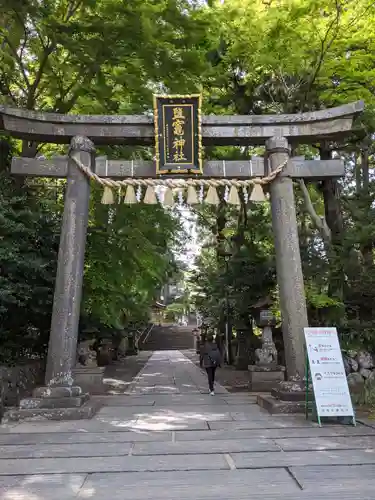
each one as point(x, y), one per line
point(167, 439)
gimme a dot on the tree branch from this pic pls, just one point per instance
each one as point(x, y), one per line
point(319, 222)
point(325, 46)
point(72, 9)
point(32, 91)
point(18, 60)
point(5, 89)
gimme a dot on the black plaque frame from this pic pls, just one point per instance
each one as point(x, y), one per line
point(181, 113)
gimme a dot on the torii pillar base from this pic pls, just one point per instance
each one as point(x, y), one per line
point(53, 403)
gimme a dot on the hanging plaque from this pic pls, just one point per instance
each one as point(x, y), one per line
point(178, 134)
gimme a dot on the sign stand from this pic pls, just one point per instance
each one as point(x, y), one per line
point(325, 366)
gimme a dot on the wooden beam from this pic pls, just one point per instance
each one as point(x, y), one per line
point(216, 130)
point(240, 169)
point(37, 167)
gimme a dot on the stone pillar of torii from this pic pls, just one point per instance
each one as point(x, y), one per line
point(60, 398)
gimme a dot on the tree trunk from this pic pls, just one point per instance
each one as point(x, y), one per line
point(4, 155)
point(365, 168)
point(221, 221)
point(358, 174)
point(367, 246)
point(331, 192)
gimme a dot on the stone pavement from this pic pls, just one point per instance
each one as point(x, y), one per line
point(167, 439)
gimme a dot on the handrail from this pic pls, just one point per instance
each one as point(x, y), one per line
point(140, 334)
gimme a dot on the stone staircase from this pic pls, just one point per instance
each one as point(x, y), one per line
point(169, 338)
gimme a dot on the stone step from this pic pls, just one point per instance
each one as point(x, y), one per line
point(169, 338)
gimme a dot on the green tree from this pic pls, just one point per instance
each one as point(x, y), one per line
point(95, 57)
point(293, 57)
point(29, 234)
point(129, 258)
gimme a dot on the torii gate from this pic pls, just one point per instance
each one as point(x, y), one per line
point(83, 133)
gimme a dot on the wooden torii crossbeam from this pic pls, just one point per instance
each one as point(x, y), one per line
point(276, 132)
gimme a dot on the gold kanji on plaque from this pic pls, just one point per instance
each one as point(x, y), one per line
point(178, 147)
point(178, 114)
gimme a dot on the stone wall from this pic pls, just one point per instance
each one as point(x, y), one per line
point(360, 370)
point(18, 381)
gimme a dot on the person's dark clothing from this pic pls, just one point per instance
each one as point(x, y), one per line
point(211, 377)
point(210, 355)
point(210, 360)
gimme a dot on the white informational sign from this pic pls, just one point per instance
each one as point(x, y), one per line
point(332, 396)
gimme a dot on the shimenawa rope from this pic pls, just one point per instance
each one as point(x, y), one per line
point(179, 183)
point(170, 184)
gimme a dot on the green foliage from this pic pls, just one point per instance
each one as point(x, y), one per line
point(29, 233)
point(91, 57)
point(96, 55)
point(129, 257)
point(291, 57)
point(174, 311)
point(246, 275)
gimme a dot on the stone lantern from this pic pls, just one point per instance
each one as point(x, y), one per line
point(266, 373)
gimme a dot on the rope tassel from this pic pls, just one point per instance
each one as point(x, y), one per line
point(108, 198)
point(233, 198)
point(192, 197)
point(130, 197)
point(257, 194)
point(150, 196)
point(168, 200)
point(212, 197)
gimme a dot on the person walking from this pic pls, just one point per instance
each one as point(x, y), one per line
point(210, 360)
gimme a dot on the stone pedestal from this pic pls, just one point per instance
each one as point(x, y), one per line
point(53, 403)
point(288, 397)
point(89, 378)
point(264, 379)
